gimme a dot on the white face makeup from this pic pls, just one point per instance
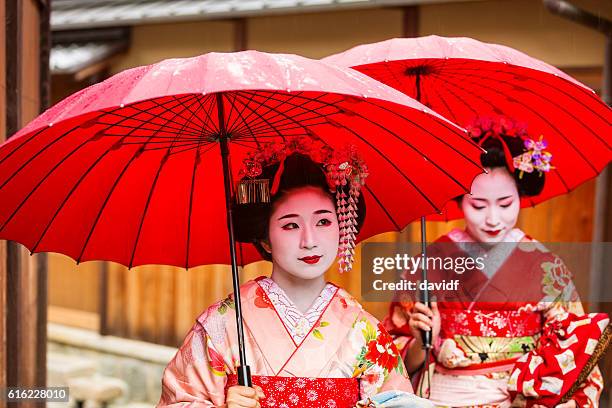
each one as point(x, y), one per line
point(491, 211)
point(304, 233)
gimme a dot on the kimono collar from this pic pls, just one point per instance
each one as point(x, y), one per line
point(494, 256)
point(459, 235)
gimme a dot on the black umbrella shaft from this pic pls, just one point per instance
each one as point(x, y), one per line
point(243, 371)
point(426, 335)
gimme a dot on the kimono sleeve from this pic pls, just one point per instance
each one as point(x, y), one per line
point(551, 367)
point(196, 376)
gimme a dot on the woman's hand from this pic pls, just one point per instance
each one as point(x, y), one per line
point(568, 404)
point(424, 318)
point(240, 396)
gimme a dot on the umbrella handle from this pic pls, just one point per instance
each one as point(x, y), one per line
point(425, 335)
point(244, 375)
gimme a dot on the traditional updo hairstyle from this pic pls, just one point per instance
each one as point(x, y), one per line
point(528, 184)
point(251, 221)
point(492, 134)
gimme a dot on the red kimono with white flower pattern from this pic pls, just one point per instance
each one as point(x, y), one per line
point(333, 356)
point(485, 329)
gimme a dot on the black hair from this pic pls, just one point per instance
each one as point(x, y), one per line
point(251, 221)
point(528, 184)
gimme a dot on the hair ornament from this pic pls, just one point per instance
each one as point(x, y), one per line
point(345, 172)
point(534, 156)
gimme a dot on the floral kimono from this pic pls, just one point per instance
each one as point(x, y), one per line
point(333, 356)
point(492, 333)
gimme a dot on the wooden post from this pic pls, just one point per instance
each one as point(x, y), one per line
point(3, 305)
point(23, 278)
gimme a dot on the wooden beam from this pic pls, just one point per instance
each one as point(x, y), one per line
point(13, 120)
point(410, 21)
point(240, 34)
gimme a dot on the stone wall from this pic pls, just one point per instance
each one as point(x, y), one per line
point(77, 352)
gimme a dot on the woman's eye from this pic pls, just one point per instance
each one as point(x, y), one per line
point(290, 226)
point(324, 221)
point(506, 205)
point(476, 207)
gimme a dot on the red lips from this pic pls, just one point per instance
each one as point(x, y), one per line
point(311, 260)
point(493, 233)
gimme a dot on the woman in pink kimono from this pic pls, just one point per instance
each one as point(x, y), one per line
point(308, 342)
point(515, 333)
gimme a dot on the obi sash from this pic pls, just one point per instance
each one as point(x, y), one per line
point(304, 392)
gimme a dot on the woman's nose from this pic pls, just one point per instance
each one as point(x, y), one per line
point(492, 218)
point(308, 238)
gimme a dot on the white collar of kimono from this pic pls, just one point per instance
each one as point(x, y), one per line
point(298, 325)
point(459, 235)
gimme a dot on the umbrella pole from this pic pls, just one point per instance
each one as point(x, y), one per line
point(426, 335)
point(243, 371)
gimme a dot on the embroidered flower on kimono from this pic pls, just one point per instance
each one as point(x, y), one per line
point(486, 330)
point(371, 380)
point(300, 383)
point(293, 398)
point(331, 404)
point(451, 355)
point(261, 299)
point(280, 386)
point(557, 280)
point(382, 350)
point(215, 361)
point(311, 395)
point(357, 334)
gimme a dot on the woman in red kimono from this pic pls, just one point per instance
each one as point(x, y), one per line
point(503, 339)
point(308, 342)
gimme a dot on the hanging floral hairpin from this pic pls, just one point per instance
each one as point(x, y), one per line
point(343, 168)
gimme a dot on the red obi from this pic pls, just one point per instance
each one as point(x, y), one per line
point(489, 323)
point(286, 392)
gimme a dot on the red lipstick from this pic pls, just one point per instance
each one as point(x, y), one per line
point(311, 260)
point(493, 233)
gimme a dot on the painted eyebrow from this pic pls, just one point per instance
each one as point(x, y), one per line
point(504, 198)
point(484, 199)
point(295, 215)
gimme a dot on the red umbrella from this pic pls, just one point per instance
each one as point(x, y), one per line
point(462, 78)
point(136, 169)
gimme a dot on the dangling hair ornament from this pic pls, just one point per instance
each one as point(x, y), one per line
point(534, 157)
point(345, 172)
point(345, 167)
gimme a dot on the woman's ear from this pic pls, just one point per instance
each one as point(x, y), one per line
point(265, 244)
